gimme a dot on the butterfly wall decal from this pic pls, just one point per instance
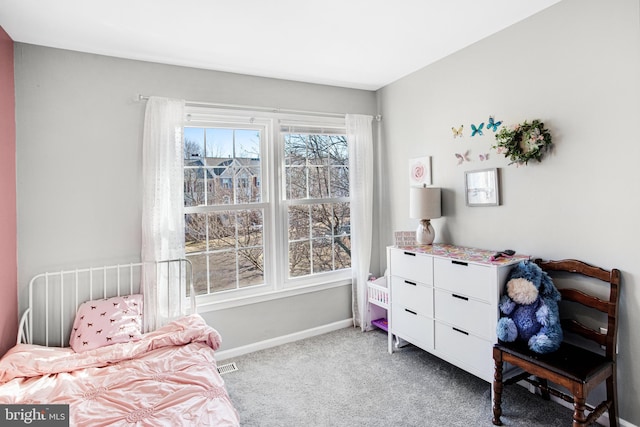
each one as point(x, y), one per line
point(477, 130)
point(457, 132)
point(493, 125)
point(483, 157)
point(463, 157)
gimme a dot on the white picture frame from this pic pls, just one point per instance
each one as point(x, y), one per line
point(420, 171)
point(481, 187)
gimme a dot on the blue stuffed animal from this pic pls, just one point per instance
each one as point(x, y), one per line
point(529, 308)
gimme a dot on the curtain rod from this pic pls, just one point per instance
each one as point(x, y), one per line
point(140, 97)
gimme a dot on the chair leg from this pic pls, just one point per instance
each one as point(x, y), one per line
point(612, 395)
point(579, 407)
point(497, 388)
point(544, 390)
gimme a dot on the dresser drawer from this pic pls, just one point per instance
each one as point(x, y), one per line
point(412, 266)
point(413, 295)
point(411, 326)
point(468, 314)
point(463, 278)
point(475, 354)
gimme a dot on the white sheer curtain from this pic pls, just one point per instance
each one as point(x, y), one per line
point(162, 208)
point(360, 137)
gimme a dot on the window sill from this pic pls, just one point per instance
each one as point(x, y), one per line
point(207, 306)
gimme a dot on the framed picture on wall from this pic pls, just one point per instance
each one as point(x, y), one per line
point(420, 171)
point(481, 187)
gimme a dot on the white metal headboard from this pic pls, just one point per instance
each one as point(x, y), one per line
point(55, 297)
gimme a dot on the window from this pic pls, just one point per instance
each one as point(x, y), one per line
point(317, 200)
point(266, 207)
point(224, 207)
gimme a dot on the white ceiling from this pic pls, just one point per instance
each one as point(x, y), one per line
point(363, 44)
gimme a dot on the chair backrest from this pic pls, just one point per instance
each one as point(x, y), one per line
point(608, 306)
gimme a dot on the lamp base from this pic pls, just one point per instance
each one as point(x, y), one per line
point(425, 234)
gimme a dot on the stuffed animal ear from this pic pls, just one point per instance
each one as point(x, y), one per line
point(548, 289)
point(518, 270)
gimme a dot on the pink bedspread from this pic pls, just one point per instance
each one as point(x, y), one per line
point(168, 378)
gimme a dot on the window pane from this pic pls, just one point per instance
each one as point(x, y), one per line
point(316, 166)
point(250, 228)
point(247, 190)
point(339, 181)
point(222, 174)
point(322, 220)
point(222, 271)
point(295, 149)
point(299, 222)
point(342, 215)
point(217, 193)
point(222, 230)
point(318, 182)
point(193, 144)
point(200, 273)
point(247, 144)
point(222, 164)
point(251, 267)
point(219, 143)
point(296, 185)
point(195, 235)
point(317, 152)
point(193, 186)
point(338, 150)
point(299, 260)
point(322, 255)
point(342, 252)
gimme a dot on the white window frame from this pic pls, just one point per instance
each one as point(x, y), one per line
point(325, 277)
point(275, 235)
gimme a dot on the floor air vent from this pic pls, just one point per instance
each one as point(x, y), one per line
point(229, 367)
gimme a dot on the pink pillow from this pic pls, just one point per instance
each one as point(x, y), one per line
point(107, 321)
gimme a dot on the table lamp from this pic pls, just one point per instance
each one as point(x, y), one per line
point(424, 204)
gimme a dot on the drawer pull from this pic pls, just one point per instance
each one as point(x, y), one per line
point(460, 297)
point(410, 311)
point(465, 264)
point(460, 330)
point(410, 253)
point(410, 283)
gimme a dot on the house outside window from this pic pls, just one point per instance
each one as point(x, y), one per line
point(266, 203)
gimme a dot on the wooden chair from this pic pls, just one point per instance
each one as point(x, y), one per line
point(573, 367)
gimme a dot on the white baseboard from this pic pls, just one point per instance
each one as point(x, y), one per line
point(273, 342)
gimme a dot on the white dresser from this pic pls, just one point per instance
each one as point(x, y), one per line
point(444, 299)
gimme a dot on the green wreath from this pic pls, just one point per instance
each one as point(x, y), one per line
point(524, 142)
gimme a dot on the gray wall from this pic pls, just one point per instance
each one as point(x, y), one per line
point(79, 181)
point(576, 66)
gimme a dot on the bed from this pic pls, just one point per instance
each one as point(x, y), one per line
point(82, 342)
